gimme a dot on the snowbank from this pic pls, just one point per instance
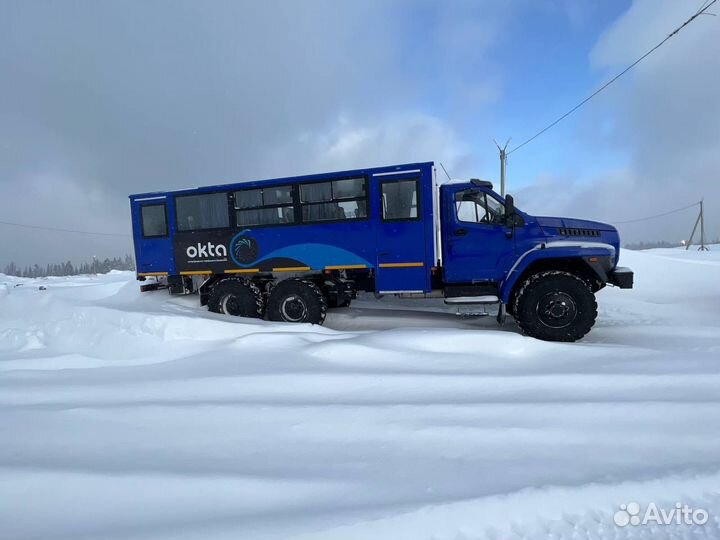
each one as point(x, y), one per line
point(144, 416)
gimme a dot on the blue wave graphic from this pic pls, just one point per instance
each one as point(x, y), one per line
point(314, 256)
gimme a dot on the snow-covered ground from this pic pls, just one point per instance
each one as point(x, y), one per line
point(127, 416)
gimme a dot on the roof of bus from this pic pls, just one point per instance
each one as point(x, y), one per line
point(405, 167)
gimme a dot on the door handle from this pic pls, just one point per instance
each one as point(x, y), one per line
point(460, 232)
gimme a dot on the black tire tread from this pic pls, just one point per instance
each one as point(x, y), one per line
point(256, 310)
point(304, 287)
point(532, 327)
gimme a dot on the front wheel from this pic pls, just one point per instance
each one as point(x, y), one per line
point(555, 306)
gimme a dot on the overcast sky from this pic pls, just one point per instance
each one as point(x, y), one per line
point(100, 99)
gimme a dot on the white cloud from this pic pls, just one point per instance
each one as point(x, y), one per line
point(665, 115)
point(351, 142)
point(126, 98)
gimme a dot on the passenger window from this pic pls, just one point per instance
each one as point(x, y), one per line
point(154, 220)
point(277, 195)
point(199, 212)
point(335, 210)
point(264, 206)
point(317, 192)
point(400, 200)
point(265, 216)
point(250, 198)
point(347, 189)
point(334, 200)
point(476, 207)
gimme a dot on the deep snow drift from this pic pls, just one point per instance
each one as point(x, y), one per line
point(129, 416)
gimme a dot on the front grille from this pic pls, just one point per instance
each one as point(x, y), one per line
point(570, 231)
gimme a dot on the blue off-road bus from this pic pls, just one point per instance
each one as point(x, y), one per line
point(290, 248)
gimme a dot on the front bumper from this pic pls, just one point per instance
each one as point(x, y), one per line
point(621, 277)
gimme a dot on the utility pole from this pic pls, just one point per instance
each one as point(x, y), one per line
point(701, 221)
point(503, 160)
point(702, 247)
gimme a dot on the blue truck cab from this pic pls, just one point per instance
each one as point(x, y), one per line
point(290, 248)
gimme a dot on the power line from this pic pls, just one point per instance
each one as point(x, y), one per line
point(658, 215)
point(40, 227)
point(701, 7)
point(701, 11)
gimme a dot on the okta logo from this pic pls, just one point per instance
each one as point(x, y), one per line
point(203, 251)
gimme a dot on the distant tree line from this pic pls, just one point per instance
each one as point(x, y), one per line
point(652, 245)
point(664, 244)
point(97, 266)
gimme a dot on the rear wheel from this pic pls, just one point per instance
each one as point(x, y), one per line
point(237, 297)
point(555, 306)
point(297, 300)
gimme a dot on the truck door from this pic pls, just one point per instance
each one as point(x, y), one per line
point(151, 232)
point(401, 237)
point(477, 245)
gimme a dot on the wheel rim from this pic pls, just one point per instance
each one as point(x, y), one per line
point(230, 305)
point(293, 309)
point(557, 310)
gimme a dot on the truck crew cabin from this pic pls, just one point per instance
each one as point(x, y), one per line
point(289, 248)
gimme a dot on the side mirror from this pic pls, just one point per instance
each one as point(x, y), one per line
point(509, 205)
point(512, 218)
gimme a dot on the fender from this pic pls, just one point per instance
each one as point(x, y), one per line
point(551, 250)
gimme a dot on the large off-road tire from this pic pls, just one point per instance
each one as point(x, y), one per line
point(297, 300)
point(555, 306)
point(237, 297)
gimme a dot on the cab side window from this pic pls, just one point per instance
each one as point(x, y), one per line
point(474, 206)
